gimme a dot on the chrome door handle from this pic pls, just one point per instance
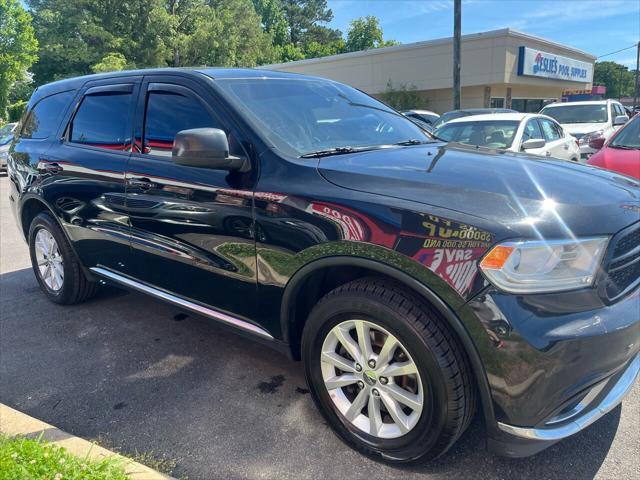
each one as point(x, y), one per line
point(142, 183)
point(547, 153)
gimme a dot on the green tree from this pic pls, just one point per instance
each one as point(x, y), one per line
point(81, 36)
point(317, 49)
point(616, 77)
point(273, 20)
point(306, 20)
point(403, 97)
point(18, 47)
point(111, 62)
point(365, 33)
point(228, 35)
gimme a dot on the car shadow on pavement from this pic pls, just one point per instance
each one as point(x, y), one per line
point(146, 376)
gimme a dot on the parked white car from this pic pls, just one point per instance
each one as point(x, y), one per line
point(515, 132)
point(6, 135)
point(427, 116)
point(588, 121)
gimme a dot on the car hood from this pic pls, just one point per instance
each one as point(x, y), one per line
point(526, 194)
point(582, 128)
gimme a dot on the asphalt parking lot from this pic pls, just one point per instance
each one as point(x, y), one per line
point(144, 377)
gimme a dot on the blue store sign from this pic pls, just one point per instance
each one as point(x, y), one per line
point(536, 63)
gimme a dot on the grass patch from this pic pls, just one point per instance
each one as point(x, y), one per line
point(157, 461)
point(29, 459)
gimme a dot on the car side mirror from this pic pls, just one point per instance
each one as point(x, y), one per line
point(620, 120)
point(206, 148)
point(533, 143)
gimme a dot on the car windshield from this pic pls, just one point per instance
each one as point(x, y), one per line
point(301, 116)
point(577, 113)
point(629, 136)
point(6, 134)
point(447, 117)
point(491, 134)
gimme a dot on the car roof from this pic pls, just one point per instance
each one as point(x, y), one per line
point(77, 82)
point(518, 117)
point(585, 102)
point(482, 110)
point(421, 112)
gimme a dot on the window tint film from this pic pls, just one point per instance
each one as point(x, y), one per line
point(167, 114)
point(629, 137)
point(43, 119)
point(304, 116)
point(104, 120)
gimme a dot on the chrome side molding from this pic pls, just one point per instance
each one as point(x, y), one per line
point(181, 302)
point(613, 398)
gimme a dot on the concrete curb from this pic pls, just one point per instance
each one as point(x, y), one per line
point(14, 423)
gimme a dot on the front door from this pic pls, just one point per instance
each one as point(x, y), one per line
point(556, 146)
point(191, 228)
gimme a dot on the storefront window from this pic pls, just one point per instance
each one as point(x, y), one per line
point(527, 105)
point(497, 102)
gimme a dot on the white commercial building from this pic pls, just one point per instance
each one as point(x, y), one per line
point(500, 68)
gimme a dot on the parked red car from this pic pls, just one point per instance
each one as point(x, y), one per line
point(621, 152)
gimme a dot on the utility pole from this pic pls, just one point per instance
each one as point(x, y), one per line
point(457, 7)
point(637, 83)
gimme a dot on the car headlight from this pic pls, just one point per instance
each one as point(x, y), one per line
point(588, 137)
point(537, 266)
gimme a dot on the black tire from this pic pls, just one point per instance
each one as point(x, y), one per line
point(76, 288)
point(443, 367)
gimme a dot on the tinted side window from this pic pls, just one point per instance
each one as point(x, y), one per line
point(532, 131)
point(167, 114)
point(42, 120)
point(548, 130)
point(103, 120)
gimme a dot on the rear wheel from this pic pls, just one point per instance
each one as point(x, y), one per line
point(386, 372)
point(56, 268)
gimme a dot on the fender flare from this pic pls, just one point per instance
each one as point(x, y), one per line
point(477, 367)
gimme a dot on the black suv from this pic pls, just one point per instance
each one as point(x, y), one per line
point(419, 282)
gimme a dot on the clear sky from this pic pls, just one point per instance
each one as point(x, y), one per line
point(594, 26)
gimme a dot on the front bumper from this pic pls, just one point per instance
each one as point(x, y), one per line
point(585, 152)
point(525, 441)
point(555, 363)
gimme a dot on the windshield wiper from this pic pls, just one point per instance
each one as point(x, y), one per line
point(412, 141)
point(335, 151)
point(624, 147)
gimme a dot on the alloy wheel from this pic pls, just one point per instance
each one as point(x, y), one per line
point(372, 379)
point(50, 262)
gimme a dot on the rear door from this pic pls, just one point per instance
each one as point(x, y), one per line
point(191, 228)
point(84, 171)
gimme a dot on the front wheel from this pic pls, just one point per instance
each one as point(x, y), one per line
point(386, 372)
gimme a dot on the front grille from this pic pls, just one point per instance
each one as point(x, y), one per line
point(623, 270)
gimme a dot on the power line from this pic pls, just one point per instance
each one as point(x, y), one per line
point(618, 51)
